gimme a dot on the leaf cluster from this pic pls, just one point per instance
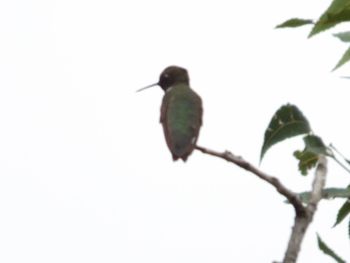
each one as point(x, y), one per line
point(338, 12)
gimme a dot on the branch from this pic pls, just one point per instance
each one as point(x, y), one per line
point(304, 215)
point(292, 197)
point(318, 184)
point(302, 222)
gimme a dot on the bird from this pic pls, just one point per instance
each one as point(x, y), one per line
point(181, 111)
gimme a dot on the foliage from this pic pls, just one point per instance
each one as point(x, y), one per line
point(343, 212)
point(343, 36)
point(308, 158)
point(284, 126)
point(295, 22)
point(328, 251)
point(287, 122)
point(327, 193)
point(345, 58)
point(338, 12)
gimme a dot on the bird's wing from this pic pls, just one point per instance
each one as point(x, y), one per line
point(181, 117)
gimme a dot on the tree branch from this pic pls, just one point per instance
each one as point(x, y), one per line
point(292, 197)
point(304, 215)
point(302, 222)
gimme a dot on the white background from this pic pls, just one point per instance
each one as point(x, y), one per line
point(85, 174)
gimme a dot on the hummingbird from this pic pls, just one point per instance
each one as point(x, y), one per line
point(180, 113)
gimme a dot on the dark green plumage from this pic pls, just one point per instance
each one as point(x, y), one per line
point(181, 112)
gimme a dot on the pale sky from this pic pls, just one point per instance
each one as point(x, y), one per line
point(85, 174)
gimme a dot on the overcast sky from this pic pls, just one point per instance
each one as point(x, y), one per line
point(85, 174)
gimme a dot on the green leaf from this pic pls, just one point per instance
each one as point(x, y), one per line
point(327, 193)
point(349, 229)
point(328, 251)
point(295, 22)
point(337, 12)
point(314, 143)
point(343, 212)
point(343, 36)
point(308, 158)
point(345, 58)
point(287, 122)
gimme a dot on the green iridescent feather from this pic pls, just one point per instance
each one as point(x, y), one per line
point(181, 117)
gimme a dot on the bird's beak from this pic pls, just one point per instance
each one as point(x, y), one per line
point(149, 86)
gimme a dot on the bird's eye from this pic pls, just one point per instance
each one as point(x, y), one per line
point(166, 76)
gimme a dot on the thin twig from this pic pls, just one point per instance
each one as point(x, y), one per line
point(342, 156)
point(292, 197)
point(338, 152)
point(341, 164)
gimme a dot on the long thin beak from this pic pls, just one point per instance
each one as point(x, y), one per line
point(149, 86)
